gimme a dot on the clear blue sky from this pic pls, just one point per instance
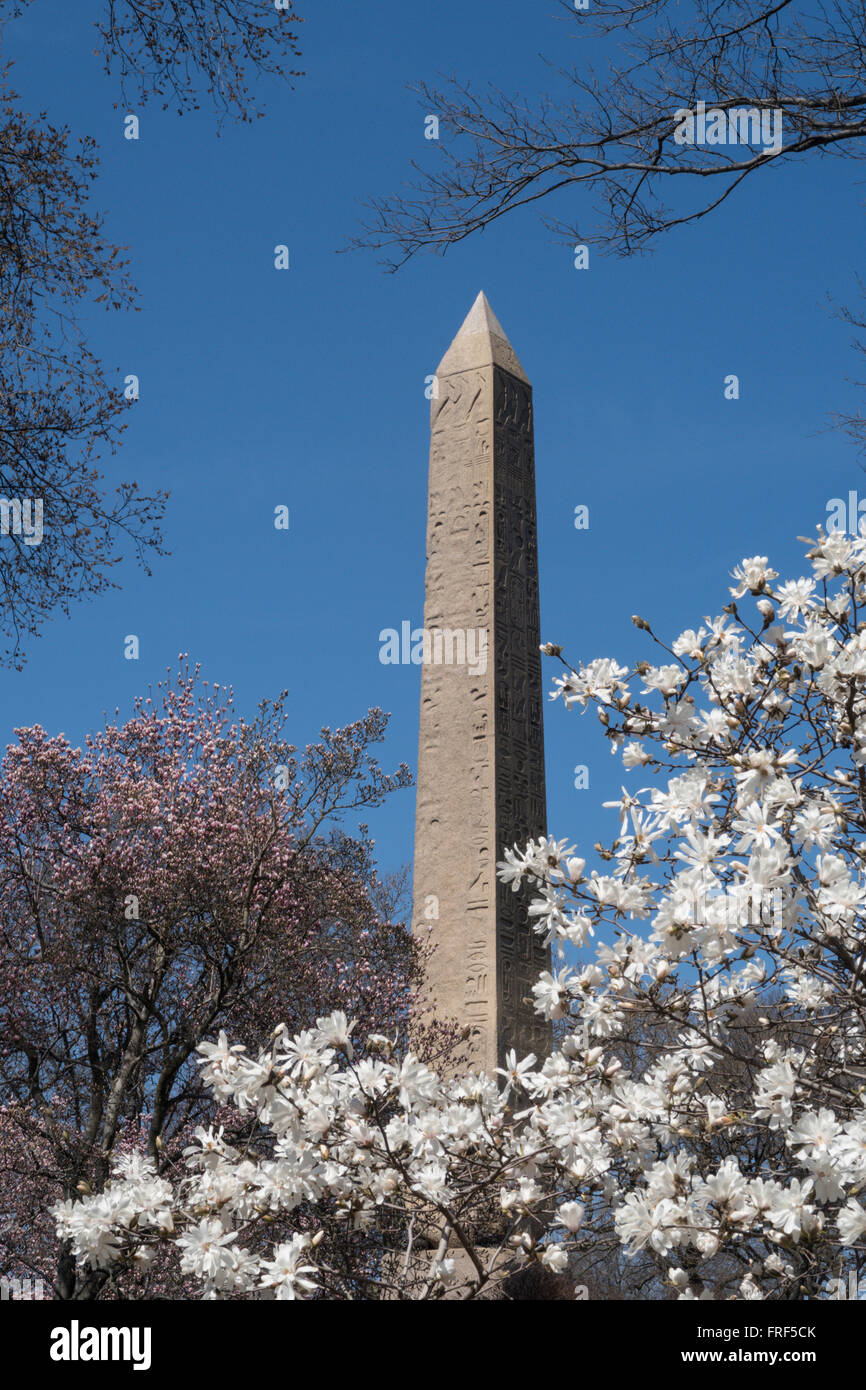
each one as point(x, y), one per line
point(307, 388)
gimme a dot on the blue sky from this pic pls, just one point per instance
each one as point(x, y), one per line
point(306, 388)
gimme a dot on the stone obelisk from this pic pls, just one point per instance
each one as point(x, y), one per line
point(481, 743)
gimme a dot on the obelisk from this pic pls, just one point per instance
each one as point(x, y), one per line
point(481, 742)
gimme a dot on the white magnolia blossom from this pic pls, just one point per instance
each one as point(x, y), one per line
point(706, 1099)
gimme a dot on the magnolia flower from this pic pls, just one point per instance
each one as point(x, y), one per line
point(335, 1031)
point(757, 829)
point(552, 993)
point(689, 643)
point(815, 1132)
point(635, 755)
point(515, 1072)
point(570, 1215)
point(851, 1222)
point(204, 1248)
point(286, 1274)
point(752, 575)
point(795, 597)
point(665, 679)
point(512, 869)
point(555, 1259)
point(790, 1211)
point(220, 1053)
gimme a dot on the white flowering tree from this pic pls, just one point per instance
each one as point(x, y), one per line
point(706, 1101)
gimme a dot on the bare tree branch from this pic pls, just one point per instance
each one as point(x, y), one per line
point(618, 144)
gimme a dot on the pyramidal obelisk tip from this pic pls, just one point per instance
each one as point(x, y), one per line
point(481, 318)
point(481, 341)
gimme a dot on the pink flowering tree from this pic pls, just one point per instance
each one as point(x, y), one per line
point(183, 872)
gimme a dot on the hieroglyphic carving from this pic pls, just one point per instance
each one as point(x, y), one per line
point(481, 748)
point(518, 734)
